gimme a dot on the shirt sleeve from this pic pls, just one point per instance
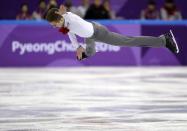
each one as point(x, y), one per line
point(73, 40)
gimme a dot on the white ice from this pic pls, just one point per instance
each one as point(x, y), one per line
point(94, 99)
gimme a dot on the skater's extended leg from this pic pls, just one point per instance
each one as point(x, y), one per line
point(120, 40)
point(104, 35)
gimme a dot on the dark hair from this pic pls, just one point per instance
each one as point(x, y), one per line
point(52, 16)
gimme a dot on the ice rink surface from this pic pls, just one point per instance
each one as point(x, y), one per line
point(94, 99)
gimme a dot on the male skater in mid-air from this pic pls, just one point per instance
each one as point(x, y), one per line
point(73, 25)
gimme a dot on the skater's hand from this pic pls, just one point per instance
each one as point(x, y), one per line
point(80, 50)
point(62, 10)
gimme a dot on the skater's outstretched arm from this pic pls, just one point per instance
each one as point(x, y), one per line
point(79, 49)
point(73, 40)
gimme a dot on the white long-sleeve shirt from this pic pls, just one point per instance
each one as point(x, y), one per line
point(77, 26)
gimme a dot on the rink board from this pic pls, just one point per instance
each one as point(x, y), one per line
point(37, 44)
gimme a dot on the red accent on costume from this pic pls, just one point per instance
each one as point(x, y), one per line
point(64, 30)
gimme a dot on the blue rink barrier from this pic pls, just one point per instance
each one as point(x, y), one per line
point(105, 22)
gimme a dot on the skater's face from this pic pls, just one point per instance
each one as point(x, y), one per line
point(57, 24)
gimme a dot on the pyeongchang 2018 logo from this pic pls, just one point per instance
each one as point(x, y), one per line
point(55, 47)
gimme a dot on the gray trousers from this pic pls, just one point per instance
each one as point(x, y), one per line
point(102, 34)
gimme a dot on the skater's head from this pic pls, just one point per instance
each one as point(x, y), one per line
point(54, 18)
